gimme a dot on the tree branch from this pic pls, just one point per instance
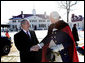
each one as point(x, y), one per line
point(64, 6)
point(73, 4)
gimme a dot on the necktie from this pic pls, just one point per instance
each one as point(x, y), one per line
point(28, 35)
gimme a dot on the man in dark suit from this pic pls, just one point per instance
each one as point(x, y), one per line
point(24, 40)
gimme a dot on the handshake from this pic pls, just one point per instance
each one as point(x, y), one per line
point(34, 48)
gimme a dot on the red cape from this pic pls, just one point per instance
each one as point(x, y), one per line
point(72, 49)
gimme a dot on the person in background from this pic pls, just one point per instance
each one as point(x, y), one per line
point(75, 34)
point(7, 34)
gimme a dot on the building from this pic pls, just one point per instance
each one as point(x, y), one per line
point(37, 21)
point(4, 27)
point(78, 20)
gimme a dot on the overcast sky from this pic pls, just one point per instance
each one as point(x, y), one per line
point(14, 8)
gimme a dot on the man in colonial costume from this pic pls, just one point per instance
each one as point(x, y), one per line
point(60, 40)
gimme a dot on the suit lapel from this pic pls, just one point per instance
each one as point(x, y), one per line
point(24, 34)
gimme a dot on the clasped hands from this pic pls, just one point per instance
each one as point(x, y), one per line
point(34, 48)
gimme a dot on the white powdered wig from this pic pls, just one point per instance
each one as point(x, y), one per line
point(55, 15)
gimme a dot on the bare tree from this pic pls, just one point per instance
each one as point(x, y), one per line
point(67, 5)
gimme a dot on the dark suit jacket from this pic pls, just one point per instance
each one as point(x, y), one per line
point(24, 43)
